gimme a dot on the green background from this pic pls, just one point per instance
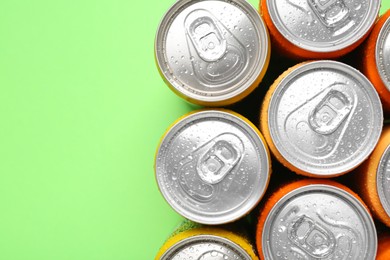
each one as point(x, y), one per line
point(82, 109)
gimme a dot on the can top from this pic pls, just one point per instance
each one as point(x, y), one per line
point(319, 222)
point(325, 118)
point(323, 26)
point(382, 53)
point(211, 50)
point(205, 247)
point(383, 180)
point(212, 167)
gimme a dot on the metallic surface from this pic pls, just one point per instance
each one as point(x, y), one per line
point(382, 53)
point(205, 247)
point(211, 51)
point(383, 180)
point(323, 26)
point(319, 222)
point(325, 118)
point(212, 167)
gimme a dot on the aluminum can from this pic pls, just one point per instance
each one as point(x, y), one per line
point(383, 246)
point(212, 166)
point(373, 179)
point(321, 118)
point(315, 219)
point(212, 52)
point(205, 243)
point(318, 29)
point(376, 64)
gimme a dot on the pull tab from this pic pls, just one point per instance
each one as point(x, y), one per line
point(332, 13)
point(218, 57)
point(205, 35)
point(311, 237)
point(208, 165)
point(217, 162)
point(317, 126)
point(328, 115)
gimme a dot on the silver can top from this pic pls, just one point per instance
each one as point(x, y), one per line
point(323, 25)
point(382, 53)
point(205, 247)
point(319, 222)
point(383, 180)
point(212, 167)
point(211, 50)
point(325, 118)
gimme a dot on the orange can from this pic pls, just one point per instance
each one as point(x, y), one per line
point(376, 65)
point(315, 122)
point(315, 219)
point(315, 29)
point(193, 241)
point(374, 179)
point(383, 247)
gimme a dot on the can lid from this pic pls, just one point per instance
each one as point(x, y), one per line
point(211, 50)
point(323, 26)
point(383, 180)
point(212, 167)
point(382, 53)
point(325, 118)
point(205, 247)
point(319, 222)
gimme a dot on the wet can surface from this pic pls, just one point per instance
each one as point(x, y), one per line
point(314, 29)
point(212, 52)
point(376, 65)
point(374, 179)
point(212, 166)
point(315, 219)
point(322, 118)
point(206, 243)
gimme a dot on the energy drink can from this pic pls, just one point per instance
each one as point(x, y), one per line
point(376, 64)
point(318, 29)
point(383, 247)
point(321, 118)
point(212, 52)
point(212, 166)
point(373, 179)
point(315, 219)
point(193, 241)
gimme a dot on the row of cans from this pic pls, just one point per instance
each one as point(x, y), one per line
point(216, 52)
point(306, 219)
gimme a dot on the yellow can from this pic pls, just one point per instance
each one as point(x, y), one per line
point(193, 241)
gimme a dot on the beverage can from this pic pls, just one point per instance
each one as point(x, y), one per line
point(192, 241)
point(318, 29)
point(315, 219)
point(373, 179)
point(376, 64)
point(212, 166)
point(321, 118)
point(212, 52)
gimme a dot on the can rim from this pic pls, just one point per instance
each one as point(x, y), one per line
point(379, 181)
point(383, 34)
point(228, 96)
point(365, 216)
point(252, 199)
point(361, 31)
point(207, 238)
point(371, 92)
